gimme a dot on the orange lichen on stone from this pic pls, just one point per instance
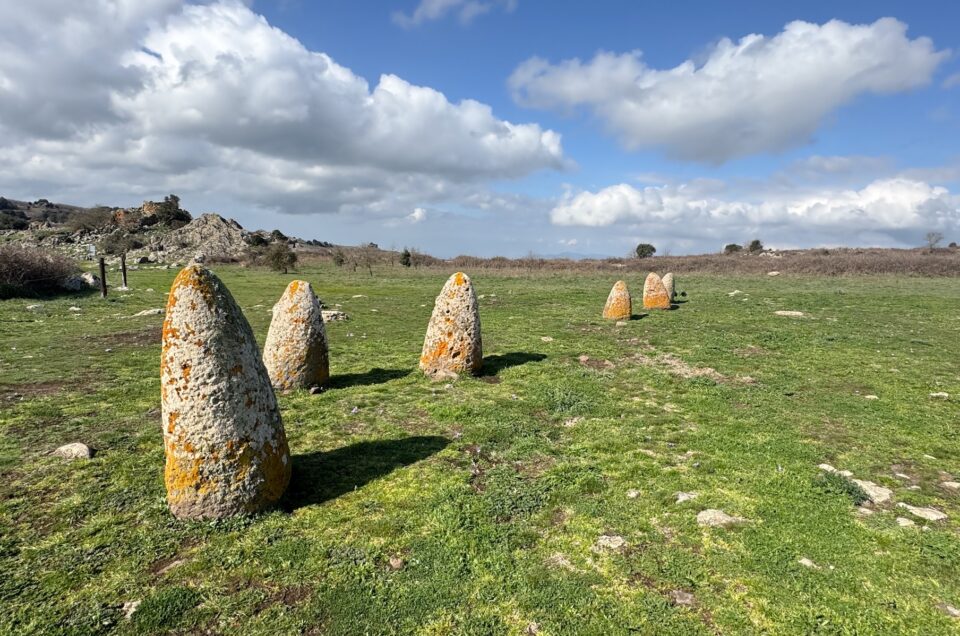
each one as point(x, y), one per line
point(655, 295)
point(453, 344)
point(619, 305)
point(172, 420)
point(295, 353)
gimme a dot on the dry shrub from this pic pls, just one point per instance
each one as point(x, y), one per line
point(32, 271)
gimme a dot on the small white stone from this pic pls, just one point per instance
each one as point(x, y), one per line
point(773, 273)
point(930, 514)
point(870, 397)
point(621, 323)
point(685, 496)
point(633, 493)
point(735, 292)
point(950, 485)
point(75, 309)
point(76, 450)
point(717, 519)
point(149, 312)
point(679, 597)
point(546, 338)
point(609, 542)
point(34, 307)
point(877, 494)
point(827, 468)
point(863, 511)
point(807, 563)
point(791, 314)
point(940, 395)
point(129, 608)
point(949, 610)
point(903, 522)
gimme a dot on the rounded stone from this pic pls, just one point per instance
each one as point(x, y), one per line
point(453, 345)
point(655, 295)
point(669, 285)
point(295, 353)
point(226, 451)
point(619, 306)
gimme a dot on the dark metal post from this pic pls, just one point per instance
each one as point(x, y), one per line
point(103, 278)
point(123, 268)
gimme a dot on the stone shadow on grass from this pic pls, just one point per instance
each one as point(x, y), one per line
point(373, 376)
point(492, 365)
point(639, 316)
point(322, 476)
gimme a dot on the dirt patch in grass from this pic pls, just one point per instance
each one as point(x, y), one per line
point(32, 389)
point(142, 338)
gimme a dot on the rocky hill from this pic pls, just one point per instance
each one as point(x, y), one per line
point(156, 231)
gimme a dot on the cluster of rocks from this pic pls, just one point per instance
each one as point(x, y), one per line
point(657, 294)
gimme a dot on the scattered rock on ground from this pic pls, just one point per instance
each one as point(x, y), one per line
point(949, 610)
point(903, 522)
point(453, 344)
point(717, 519)
point(940, 395)
point(150, 312)
point(331, 315)
point(396, 563)
point(807, 563)
point(609, 542)
point(774, 273)
point(950, 485)
point(622, 323)
point(830, 469)
point(734, 292)
point(871, 397)
point(863, 511)
point(877, 494)
point(685, 599)
point(619, 305)
point(685, 496)
point(34, 307)
point(129, 608)
point(791, 314)
point(75, 309)
point(546, 338)
point(930, 514)
point(633, 493)
point(76, 450)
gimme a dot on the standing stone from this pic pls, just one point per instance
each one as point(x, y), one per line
point(655, 295)
point(295, 353)
point(453, 345)
point(668, 285)
point(619, 305)
point(226, 451)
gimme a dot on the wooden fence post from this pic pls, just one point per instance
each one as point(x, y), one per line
point(103, 278)
point(123, 268)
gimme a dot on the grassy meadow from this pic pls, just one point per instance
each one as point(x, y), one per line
point(478, 507)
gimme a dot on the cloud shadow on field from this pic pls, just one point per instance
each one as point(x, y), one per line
point(373, 376)
point(492, 365)
point(321, 476)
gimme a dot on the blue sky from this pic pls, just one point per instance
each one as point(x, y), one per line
point(503, 126)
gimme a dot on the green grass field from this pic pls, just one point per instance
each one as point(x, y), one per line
point(476, 507)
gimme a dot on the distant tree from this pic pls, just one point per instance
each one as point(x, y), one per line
point(280, 257)
point(406, 259)
point(953, 245)
point(257, 240)
point(732, 248)
point(277, 235)
point(171, 214)
point(755, 246)
point(933, 238)
point(339, 259)
point(13, 220)
point(6, 204)
point(645, 250)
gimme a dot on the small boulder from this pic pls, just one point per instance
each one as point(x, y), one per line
point(90, 280)
point(76, 450)
point(453, 344)
point(685, 496)
point(718, 519)
point(655, 295)
point(295, 352)
point(790, 314)
point(683, 599)
point(930, 514)
point(226, 450)
point(940, 395)
point(619, 305)
point(332, 315)
point(877, 494)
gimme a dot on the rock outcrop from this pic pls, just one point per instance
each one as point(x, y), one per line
point(619, 305)
point(295, 352)
point(669, 285)
point(453, 345)
point(226, 451)
point(655, 295)
point(212, 234)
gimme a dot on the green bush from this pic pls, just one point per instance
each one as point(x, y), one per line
point(645, 250)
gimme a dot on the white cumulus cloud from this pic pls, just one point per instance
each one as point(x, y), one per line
point(886, 211)
point(212, 99)
point(758, 94)
point(418, 215)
